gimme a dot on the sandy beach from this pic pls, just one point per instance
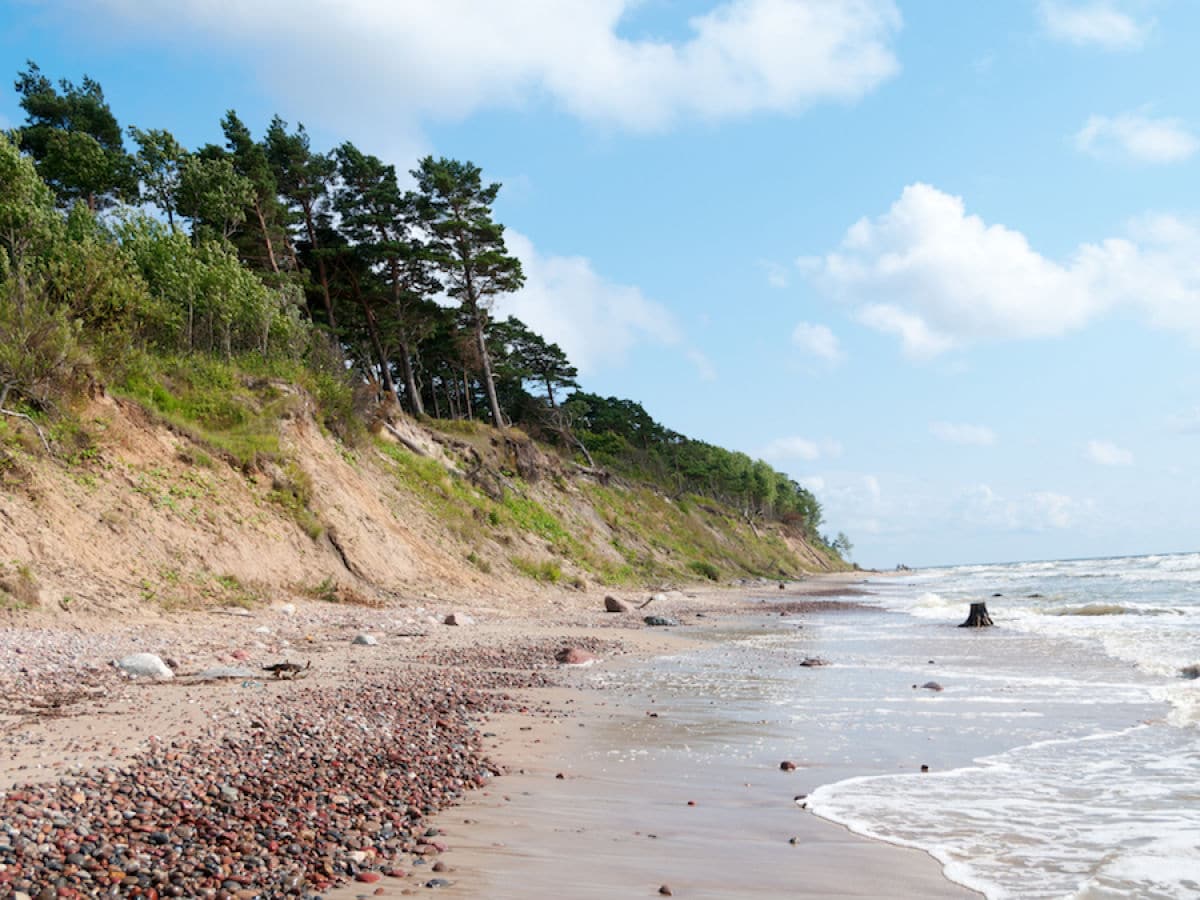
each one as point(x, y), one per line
point(430, 757)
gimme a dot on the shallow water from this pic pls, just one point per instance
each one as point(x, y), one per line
point(1093, 791)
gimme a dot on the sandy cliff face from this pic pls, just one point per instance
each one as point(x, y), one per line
point(144, 520)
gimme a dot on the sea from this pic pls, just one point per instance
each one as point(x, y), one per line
point(1054, 755)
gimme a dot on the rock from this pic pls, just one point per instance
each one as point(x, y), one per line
point(458, 619)
point(665, 890)
point(657, 598)
point(932, 686)
point(787, 766)
point(574, 656)
point(813, 662)
point(365, 640)
point(613, 605)
point(437, 883)
point(1191, 672)
point(145, 665)
point(368, 877)
point(288, 609)
point(924, 768)
point(659, 621)
point(240, 655)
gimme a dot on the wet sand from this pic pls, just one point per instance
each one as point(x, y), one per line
point(621, 823)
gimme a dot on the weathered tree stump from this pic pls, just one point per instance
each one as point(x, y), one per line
point(978, 617)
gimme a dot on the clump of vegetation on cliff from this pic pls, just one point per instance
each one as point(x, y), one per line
point(223, 287)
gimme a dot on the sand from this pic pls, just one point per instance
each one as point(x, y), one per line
point(613, 825)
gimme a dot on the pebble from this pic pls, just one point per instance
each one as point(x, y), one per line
point(274, 803)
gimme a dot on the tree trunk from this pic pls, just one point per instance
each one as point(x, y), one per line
point(266, 234)
point(410, 381)
point(373, 330)
point(311, 227)
point(485, 363)
point(978, 617)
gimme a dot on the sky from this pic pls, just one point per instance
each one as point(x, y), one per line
point(938, 261)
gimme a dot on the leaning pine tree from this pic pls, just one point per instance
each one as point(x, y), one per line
point(467, 247)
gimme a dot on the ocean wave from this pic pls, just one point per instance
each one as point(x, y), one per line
point(1090, 609)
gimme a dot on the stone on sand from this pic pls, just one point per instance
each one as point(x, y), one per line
point(145, 665)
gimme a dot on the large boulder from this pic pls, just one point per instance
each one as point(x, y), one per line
point(145, 665)
point(613, 605)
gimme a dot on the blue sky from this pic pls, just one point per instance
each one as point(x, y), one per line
point(939, 261)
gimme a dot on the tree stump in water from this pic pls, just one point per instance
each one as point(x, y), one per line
point(978, 617)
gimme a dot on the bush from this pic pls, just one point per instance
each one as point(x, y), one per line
point(705, 569)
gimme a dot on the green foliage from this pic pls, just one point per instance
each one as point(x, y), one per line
point(18, 586)
point(326, 591)
point(74, 139)
point(211, 401)
point(293, 492)
point(544, 570)
point(705, 569)
point(622, 435)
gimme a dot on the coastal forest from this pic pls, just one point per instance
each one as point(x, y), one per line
point(175, 278)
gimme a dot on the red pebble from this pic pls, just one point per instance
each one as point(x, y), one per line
point(368, 877)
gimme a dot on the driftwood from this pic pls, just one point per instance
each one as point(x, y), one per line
point(978, 617)
point(288, 669)
point(29, 419)
point(394, 432)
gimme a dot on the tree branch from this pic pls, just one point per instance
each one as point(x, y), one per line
point(21, 415)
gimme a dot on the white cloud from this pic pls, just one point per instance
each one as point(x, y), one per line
point(704, 366)
point(1100, 23)
point(1106, 453)
point(979, 506)
point(1138, 138)
point(445, 59)
point(594, 320)
point(777, 275)
point(972, 435)
point(796, 447)
point(818, 341)
point(940, 278)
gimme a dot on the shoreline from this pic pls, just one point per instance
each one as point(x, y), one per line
point(116, 723)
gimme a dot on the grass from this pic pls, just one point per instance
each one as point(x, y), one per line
point(292, 491)
point(18, 587)
point(545, 570)
point(234, 407)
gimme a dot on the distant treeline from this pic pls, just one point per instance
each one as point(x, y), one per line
point(267, 246)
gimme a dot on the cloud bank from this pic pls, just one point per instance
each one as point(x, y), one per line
point(1100, 23)
point(939, 278)
point(1136, 138)
point(595, 321)
point(445, 59)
